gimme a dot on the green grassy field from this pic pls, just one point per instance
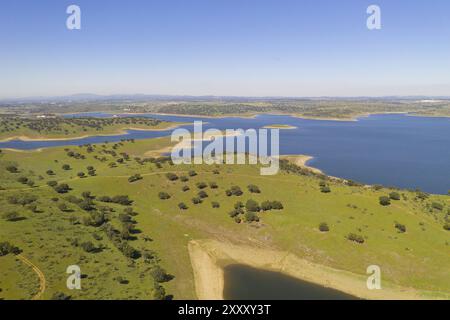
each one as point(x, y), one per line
point(53, 239)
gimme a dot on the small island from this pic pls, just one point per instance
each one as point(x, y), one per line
point(280, 126)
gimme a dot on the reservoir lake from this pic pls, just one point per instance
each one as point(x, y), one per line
point(395, 150)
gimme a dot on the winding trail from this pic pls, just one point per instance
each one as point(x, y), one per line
point(40, 274)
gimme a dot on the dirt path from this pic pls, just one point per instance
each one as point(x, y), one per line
point(40, 274)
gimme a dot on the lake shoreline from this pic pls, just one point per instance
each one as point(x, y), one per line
point(209, 257)
point(280, 127)
point(302, 160)
point(256, 114)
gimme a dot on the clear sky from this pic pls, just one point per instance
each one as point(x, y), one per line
point(225, 47)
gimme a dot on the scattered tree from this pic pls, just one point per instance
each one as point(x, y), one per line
point(251, 216)
point(197, 200)
point(394, 195)
point(400, 227)
point(253, 188)
point(213, 185)
point(192, 173)
point(323, 227)
point(384, 201)
point(355, 238)
point(171, 176)
point(182, 206)
point(201, 185)
point(164, 195)
point(252, 206)
point(7, 248)
point(215, 204)
point(202, 194)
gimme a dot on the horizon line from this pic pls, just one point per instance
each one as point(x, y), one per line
point(93, 96)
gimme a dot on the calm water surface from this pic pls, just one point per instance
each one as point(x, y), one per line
point(247, 283)
point(392, 150)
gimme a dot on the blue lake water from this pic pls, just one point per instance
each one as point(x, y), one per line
point(392, 150)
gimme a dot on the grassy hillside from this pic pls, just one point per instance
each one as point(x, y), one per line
point(139, 249)
point(12, 127)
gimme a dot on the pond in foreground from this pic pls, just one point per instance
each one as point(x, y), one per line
point(246, 283)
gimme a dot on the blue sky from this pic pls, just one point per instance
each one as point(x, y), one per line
point(225, 47)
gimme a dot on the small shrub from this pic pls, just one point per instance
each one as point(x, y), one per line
point(11, 216)
point(135, 178)
point(234, 213)
point(277, 205)
point(60, 296)
point(12, 169)
point(158, 293)
point(197, 200)
point(323, 227)
point(400, 227)
point(52, 184)
point(213, 185)
point(202, 194)
point(122, 200)
point(384, 201)
point(171, 176)
point(252, 206)
point(164, 195)
point(234, 191)
point(215, 204)
point(437, 206)
point(239, 205)
point(7, 248)
point(88, 246)
point(253, 188)
point(62, 188)
point(355, 238)
point(251, 217)
point(182, 206)
point(201, 185)
point(394, 196)
point(192, 173)
point(22, 180)
point(266, 205)
point(160, 275)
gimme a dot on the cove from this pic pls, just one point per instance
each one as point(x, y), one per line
point(247, 283)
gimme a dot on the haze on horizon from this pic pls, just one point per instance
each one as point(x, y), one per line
point(286, 48)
